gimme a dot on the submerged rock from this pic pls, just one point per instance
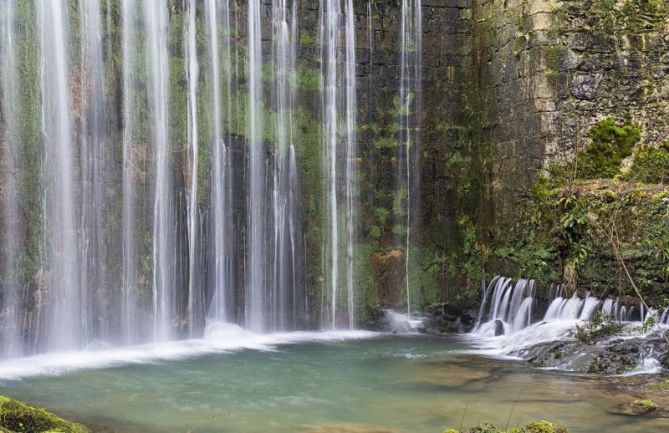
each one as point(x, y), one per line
point(19, 417)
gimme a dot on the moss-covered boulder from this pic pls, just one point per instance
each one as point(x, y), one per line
point(17, 417)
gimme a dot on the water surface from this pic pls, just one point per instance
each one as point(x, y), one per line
point(404, 384)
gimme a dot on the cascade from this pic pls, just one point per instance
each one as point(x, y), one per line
point(129, 313)
point(409, 109)
point(167, 191)
point(284, 177)
point(511, 305)
point(257, 278)
point(63, 312)
point(192, 75)
point(95, 158)
point(11, 299)
point(220, 197)
point(164, 260)
point(337, 43)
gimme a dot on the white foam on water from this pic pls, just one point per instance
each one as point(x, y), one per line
point(504, 331)
point(404, 323)
point(647, 366)
point(219, 338)
point(486, 343)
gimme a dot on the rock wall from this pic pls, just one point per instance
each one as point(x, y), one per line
point(545, 74)
point(546, 71)
point(510, 88)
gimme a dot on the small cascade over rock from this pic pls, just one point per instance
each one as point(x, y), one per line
point(509, 324)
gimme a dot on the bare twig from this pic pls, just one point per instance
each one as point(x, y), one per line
point(462, 420)
point(616, 251)
point(508, 421)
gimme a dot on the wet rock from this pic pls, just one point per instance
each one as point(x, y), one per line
point(613, 356)
point(449, 318)
point(499, 328)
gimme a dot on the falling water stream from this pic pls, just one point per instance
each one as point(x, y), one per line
point(337, 40)
point(11, 300)
point(194, 204)
point(64, 315)
point(409, 111)
point(192, 74)
point(257, 279)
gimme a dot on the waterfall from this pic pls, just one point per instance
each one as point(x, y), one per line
point(257, 244)
point(192, 75)
point(95, 157)
point(217, 310)
point(511, 306)
point(131, 166)
point(337, 40)
point(12, 344)
point(175, 147)
point(284, 176)
point(164, 260)
point(409, 109)
point(63, 254)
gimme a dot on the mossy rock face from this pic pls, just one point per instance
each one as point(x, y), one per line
point(17, 417)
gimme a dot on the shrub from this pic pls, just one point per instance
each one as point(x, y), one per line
point(651, 165)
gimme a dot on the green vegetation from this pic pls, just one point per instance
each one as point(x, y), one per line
point(308, 79)
point(599, 326)
point(650, 165)
point(611, 143)
point(578, 213)
point(645, 404)
point(535, 427)
point(18, 417)
point(307, 39)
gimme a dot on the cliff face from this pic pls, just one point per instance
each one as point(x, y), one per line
point(545, 76)
point(547, 71)
point(511, 92)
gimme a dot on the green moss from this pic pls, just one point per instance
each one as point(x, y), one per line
point(308, 79)
point(645, 404)
point(29, 143)
point(307, 39)
point(400, 229)
point(650, 165)
point(385, 143)
point(610, 144)
point(425, 268)
point(21, 418)
point(381, 215)
point(535, 427)
point(540, 427)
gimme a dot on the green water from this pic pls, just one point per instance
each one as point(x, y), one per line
point(407, 384)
